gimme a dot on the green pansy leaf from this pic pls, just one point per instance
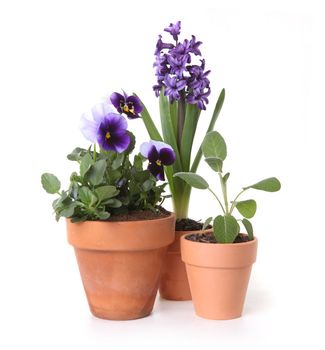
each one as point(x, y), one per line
point(225, 228)
point(193, 180)
point(68, 211)
point(249, 229)
point(50, 183)
point(214, 163)
point(76, 154)
point(106, 192)
point(86, 162)
point(96, 172)
point(272, 184)
point(214, 145)
point(247, 208)
point(86, 196)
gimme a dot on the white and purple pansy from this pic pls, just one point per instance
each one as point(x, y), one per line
point(159, 154)
point(106, 128)
point(129, 105)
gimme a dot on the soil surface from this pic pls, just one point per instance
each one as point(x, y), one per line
point(140, 215)
point(188, 225)
point(209, 238)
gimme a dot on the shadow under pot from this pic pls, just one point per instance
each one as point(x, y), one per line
point(174, 282)
point(218, 276)
point(120, 264)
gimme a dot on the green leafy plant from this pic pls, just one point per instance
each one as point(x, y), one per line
point(226, 227)
point(106, 184)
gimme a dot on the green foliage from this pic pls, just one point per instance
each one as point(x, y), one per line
point(226, 227)
point(193, 180)
point(50, 183)
point(246, 208)
point(207, 222)
point(108, 183)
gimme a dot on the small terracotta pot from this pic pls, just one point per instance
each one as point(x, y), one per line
point(174, 283)
point(120, 264)
point(218, 275)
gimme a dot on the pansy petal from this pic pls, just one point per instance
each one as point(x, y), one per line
point(88, 128)
point(116, 100)
point(136, 103)
point(167, 156)
point(116, 123)
point(153, 154)
point(99, 111)
point(157, 171)
point(121, 142)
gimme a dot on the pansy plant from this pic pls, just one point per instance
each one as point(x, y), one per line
point(226, 227)
point(107, 182)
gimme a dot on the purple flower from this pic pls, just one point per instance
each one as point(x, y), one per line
point(107, 128)
point(178, 65)
point(173, 86)
point(161, 45)
point(200, 98)
point(159, 154)
point(129, 105)
point(174, 29)
point(194, 46)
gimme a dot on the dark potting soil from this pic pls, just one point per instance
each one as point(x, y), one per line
point(189, 225)
point(209, 238)
point(140, 215)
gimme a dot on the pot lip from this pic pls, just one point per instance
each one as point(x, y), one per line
point(101, 222)
point(219, 244)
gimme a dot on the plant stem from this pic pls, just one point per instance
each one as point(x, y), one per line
point(224, 192)
point(95, 152)
point(181, 118)
point(234, 201)
point(223, 209)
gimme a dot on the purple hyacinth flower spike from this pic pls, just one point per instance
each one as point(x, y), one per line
point(174, 30)
point(159, 154)
point(129, 105)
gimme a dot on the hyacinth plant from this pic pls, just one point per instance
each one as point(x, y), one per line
point(226, 227)
point(108, 183)
point(183, 88)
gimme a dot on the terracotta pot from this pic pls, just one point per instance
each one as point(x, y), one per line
point(120, 264)
point(218, 275)
point(174, 283)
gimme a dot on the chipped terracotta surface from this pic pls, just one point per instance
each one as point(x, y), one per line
point(218, 276)
point(120, 264)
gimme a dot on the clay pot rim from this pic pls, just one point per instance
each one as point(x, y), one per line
point(219, 244)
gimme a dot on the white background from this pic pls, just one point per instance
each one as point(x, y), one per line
point(58, 58)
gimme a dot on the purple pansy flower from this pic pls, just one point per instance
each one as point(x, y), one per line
point(107, 128)
point(129, 105)
point(174, 29)
point(159, 154)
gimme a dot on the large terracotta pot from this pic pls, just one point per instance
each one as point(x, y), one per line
point(120, 264)
point(174, 283)
point(218, 275)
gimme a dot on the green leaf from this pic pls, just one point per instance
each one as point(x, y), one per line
point(148, 185)
point(103, 215)
point(207, 223)
point(213, 120)
point(225, 228)
point(86, 162)
point(113, 203)
point(96, 172)
point(226, 177)
point(193, 180)
point(105, 192)
point(214, 163)
point(76, 154)
point(247, 208)
point(214, 145)
point(86, 196)
point(50, 183)
point(118, 161)
point(191, 119)
point(68, 211)
point(272, 184)
point(249, 229)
